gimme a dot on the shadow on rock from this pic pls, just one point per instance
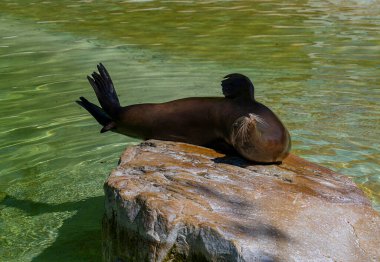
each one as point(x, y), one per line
point(235, 160)
point(242, 209)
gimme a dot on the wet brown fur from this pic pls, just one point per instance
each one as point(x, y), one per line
point(250, 127)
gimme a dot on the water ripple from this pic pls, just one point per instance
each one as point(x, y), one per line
point(315, 63)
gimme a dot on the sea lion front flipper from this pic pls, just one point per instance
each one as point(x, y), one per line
point(237, 85)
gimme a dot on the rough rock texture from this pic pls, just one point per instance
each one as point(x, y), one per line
point(177, 202)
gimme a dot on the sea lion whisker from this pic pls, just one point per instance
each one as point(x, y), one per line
point(243, 129)
point(258, 119)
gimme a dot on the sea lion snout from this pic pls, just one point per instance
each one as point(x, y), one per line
point(253, 137)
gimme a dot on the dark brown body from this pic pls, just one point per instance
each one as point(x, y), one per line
point(237, 119)
point(202, 121)
point(190, 120)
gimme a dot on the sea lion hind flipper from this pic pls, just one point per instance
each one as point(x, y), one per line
point(108, 127)
point(105, 92)
point(237, 85)
point(98, 114)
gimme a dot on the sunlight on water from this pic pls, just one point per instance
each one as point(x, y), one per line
point(315, 63)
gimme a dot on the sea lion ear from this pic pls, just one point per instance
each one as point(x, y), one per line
point(237, 85)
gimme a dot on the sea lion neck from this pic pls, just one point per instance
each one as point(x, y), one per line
point(245, 101)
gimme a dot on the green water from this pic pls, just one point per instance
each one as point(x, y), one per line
point(315, 63)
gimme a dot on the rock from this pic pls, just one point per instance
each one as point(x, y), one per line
point(171, 201)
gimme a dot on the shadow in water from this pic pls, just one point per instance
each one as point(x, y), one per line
point(79, 237)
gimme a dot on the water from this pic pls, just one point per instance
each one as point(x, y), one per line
point(315, 63)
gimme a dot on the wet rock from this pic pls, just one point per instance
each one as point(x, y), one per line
point(170, 201)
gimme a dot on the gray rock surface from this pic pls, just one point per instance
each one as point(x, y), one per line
point(171, 201)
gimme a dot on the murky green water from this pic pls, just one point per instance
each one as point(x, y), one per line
point(315, 63)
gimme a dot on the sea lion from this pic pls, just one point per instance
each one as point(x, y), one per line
point(237, 119)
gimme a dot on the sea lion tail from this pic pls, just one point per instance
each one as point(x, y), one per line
point(105, 92)
point(98, 114)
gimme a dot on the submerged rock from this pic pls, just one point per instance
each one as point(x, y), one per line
point(171, 201)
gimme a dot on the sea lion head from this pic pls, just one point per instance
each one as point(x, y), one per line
point(251, 136)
